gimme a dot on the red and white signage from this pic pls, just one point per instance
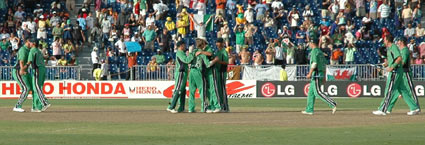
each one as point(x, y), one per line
point(119, 89)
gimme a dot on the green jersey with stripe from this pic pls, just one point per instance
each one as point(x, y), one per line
point(36, 58)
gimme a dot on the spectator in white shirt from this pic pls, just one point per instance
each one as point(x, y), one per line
point(249, 14)
point(293, 18)
point(106, 27)
point(384, 12)
point(160, 10)
point(334, 10)
point(121, 46)
point(150, 20)
point(19, 15)
point(308, 13)
point(409, 31)
point(420, 32)
point(277, 4)
point(95, 59)
point(407, 15)
point(367, 21)
point(57, 48)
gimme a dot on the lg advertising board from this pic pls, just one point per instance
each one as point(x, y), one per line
point(269, 89)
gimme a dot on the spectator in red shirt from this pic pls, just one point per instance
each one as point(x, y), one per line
point(132, 57)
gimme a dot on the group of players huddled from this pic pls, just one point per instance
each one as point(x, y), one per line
point(208, 73)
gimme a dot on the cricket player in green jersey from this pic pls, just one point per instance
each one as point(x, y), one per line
point(220, 76)
point(20, 74)
point(180, 75)
point(198, 76)
point(213, 86)
point(36, 61)
point(317, 74)
point(398, 80)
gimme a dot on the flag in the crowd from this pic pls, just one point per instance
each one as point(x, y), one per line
point(202, 18)
point(347, 74)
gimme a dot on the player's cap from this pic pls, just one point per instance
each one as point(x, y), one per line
point(95, 48)
point(202, 38)
point(313, 41)
point(33, 40)
point(41, 17)
point(220, 40)
point(402, 39)
point(169, 19)
point(54, 12)
point(180, 43)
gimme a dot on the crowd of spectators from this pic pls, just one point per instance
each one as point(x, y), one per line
point(256, 32)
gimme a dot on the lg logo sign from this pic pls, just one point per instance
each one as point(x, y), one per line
point(268, 90)
point(354, 90)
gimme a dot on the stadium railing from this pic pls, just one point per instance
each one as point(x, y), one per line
point(52, 72)
point(364, 72)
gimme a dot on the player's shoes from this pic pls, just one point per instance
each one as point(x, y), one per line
point(20, 110)
point(388, 112)
point(190, 111)
point(209, 111)
point(379, 112)
point(174, 111)
point(334, 110)
point(169, 110)
point(217, 111)
point(45, 107)
point(307, 113)
point(35, 111)
point(414, 112)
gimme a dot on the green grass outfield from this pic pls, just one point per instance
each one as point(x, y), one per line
point(252, 121)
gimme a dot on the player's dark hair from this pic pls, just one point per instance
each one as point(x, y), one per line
point(389, 38)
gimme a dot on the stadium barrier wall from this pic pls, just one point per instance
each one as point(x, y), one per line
point(271, 89)
point(70, 89)
point(52, 72)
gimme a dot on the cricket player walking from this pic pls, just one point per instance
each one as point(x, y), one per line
point(180, 75)
point(36, 61)
point(317, 74)
point(20, 74)
point(399, 78)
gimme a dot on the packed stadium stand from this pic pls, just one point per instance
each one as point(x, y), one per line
point(284, 24)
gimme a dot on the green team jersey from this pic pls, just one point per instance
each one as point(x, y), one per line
point(392, 54)
point(200, 62)
point(405, 55)
point(222, 56)
point(36, 58)
point(316, 56)
point(22, 56)
point(182, 60)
